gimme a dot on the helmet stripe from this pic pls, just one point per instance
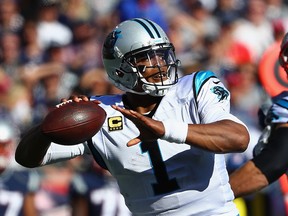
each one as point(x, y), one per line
point(147, 28)
point(154, 27)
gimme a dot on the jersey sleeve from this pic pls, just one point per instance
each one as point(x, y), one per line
point(58, 152)
point(212, 98)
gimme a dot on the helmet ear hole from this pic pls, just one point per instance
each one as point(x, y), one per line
point(119, 73)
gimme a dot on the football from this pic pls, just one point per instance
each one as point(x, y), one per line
point(72, 123)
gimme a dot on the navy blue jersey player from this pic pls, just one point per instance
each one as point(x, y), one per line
point(94, 191)
point(270, 161)
point(17, 185)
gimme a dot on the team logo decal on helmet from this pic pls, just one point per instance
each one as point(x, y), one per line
point(109, 44)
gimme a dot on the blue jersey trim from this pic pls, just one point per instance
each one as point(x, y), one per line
point(201, 77)
point(283, 103)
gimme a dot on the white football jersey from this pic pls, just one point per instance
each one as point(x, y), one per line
point(162, 178)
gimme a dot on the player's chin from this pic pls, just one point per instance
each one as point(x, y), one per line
point(158, 79)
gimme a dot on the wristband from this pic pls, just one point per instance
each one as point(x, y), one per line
point(175, 131)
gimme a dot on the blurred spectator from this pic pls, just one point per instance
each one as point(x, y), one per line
point(49, 28)
point(95, 82)
point(84, 53)
point(228, 10)
point(246, 93)
point(105, 15)
point(254, 29)
point(184, 35)
point(276, 9)
point(201, 16)
point(149, 9)
point(103, 8)
point(52, 198)
point(10, 17)
point(189, 30)
point(10, 48)
point(16, 100)
point(49, 82)
point(17, 185)
point(31, 53)
point(77, 10)
point(95, 192)
point(223, 54)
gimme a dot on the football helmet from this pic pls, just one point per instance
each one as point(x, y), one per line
point(283, 55)
point(137, 40)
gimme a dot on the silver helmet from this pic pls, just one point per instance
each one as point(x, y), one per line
point(134, 39)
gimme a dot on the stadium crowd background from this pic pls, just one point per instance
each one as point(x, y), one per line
point(51, 49)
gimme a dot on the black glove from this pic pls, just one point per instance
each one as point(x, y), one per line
point(263, 140)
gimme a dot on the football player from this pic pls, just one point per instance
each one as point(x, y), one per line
point(270, 161)
point(17, 186)
point(93, 191)
point(164, 138)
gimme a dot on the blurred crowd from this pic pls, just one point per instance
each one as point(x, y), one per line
point(51, 49)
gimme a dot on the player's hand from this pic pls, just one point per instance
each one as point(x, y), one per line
point(75, 98)
point(149, 128)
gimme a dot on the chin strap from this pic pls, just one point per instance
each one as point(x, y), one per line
point(157, 89)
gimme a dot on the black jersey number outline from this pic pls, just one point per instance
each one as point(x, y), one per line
point(164, 184)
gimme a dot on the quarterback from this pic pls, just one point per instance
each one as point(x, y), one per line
point(164, 138)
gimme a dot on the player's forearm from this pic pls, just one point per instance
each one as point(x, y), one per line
point(32, 148)
point(221, 137)
point(272, 160)
point(247, 180)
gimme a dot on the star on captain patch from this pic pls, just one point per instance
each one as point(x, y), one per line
point(115, 123)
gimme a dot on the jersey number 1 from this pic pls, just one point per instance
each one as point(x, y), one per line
point(164, 184)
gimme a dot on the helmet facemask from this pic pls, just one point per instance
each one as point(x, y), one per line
point(161, 59)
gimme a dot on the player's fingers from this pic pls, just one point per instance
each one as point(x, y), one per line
point(133, 142)
point(118, 108)
point(83, 97)
point(77, 98)
point(96, 101)
point(126, 112)
point(73, 98)
point(63, 100)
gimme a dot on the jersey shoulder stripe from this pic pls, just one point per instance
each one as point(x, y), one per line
point(108, 99)
point(200, 78)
